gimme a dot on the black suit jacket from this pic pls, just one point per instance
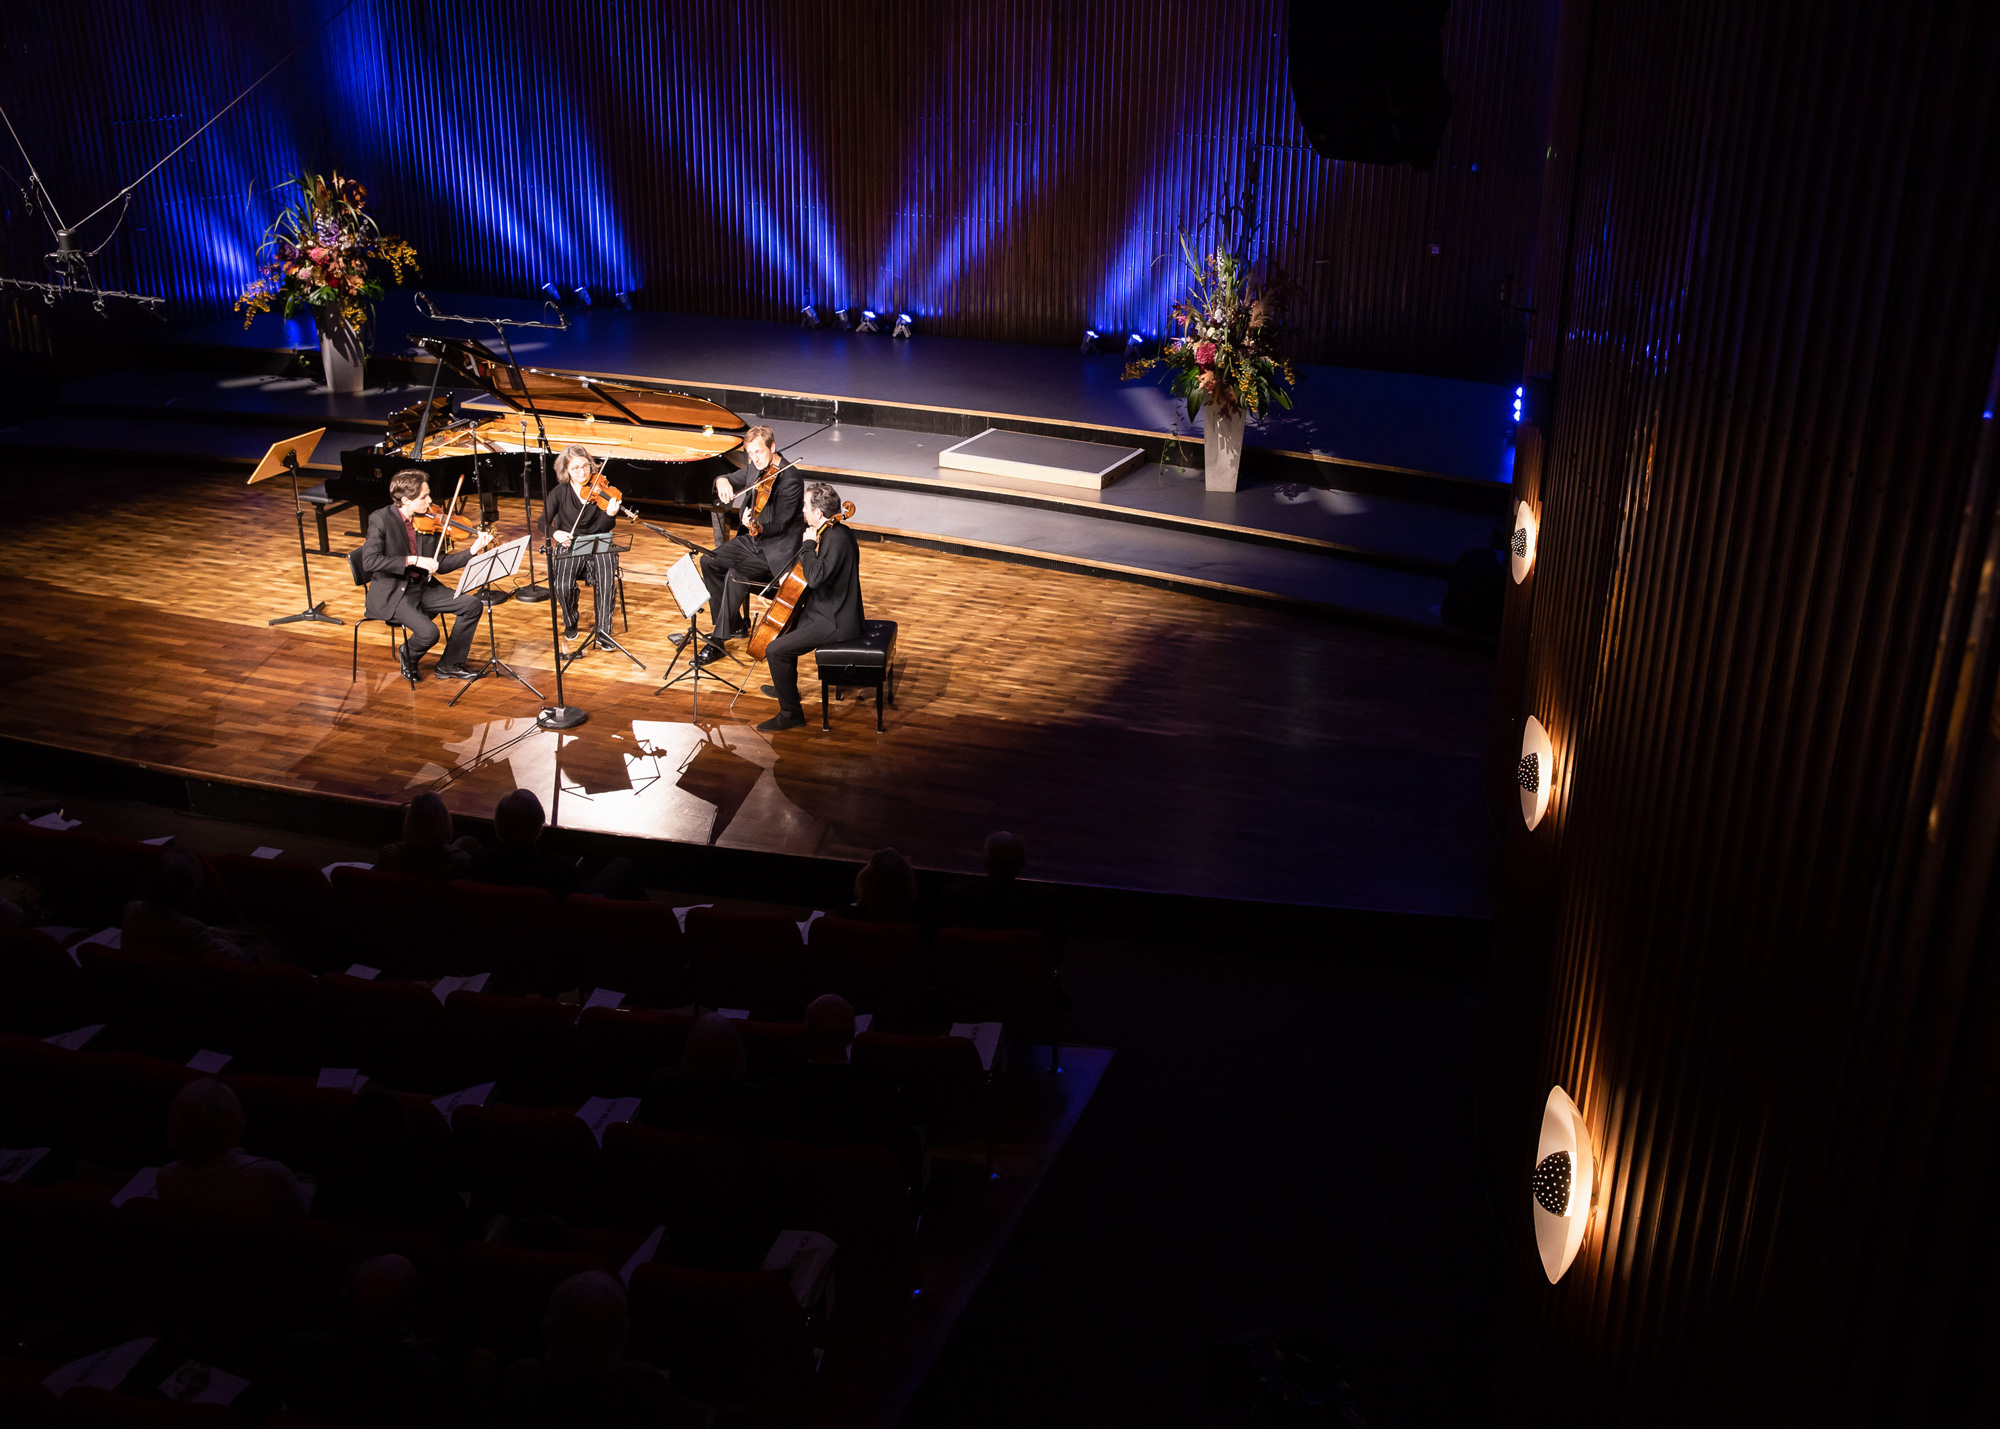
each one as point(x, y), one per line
point(832, 566)
point(782, 522)
point(391, 579)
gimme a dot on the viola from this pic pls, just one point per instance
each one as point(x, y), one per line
point(437, 519)
point(785, 600)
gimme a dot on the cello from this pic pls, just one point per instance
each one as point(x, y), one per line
point(785, 602)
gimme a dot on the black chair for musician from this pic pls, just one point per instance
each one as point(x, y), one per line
point(869, 662)
point(399, 633)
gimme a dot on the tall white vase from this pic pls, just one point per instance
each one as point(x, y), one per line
point(340, 349)
point(1222, 449)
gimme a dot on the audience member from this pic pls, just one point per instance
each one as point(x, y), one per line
point(159, 918)
point(583, 1377)
point(212, 1174)
point(427, 848)
point(885, 890)
point(518, 863)
point(1000, 901)
point(832, 1102)
point(367, 1370)
point(381, 1182)
point(706, 1092)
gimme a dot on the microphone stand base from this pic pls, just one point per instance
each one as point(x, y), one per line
point(315, 613)
point(533, 594)
point(561, 717)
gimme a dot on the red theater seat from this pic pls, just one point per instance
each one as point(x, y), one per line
point(513, 933)
point(529, 1160)
point(659, 1176)
point(631, 946)
point(391, 921)
point(525, 1043)
point(41, 987)
point(148, 999)
point(617, 1049)
point(877, 967)
point(855, 1194)
point(261, 1013)
point(288, 901)
point(389, 1029)
point(754, 961)
point(736, 1337)
point(950, 1094)
point(504, 1291)
point(1007, 977)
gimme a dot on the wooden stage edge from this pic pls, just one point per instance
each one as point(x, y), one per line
point(1419, 944)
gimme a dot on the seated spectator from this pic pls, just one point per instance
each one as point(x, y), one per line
point(211, 1174)
point(367, 1370)
point(381, 1182)
point(706, 1092)
point(1000, 901)
point(159, 918)
point(427, 848)
point(885, 890)
point(832, 1102)
point(583, 1377)
point(518, 863)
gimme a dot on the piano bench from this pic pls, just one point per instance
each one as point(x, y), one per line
point(869, 662)
point(322, 507)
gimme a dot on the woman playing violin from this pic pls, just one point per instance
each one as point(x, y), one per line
point(769, 543)
point(403, 565)
point(570, 513)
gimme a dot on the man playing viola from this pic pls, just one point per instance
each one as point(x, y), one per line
point(769, 543)
point(828, 612)
point(402, 579)
point(567, 515)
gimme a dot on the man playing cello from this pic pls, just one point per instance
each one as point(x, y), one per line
point(769, 543)
point(830, 610)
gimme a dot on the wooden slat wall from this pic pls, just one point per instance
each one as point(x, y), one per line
point(1010, 169)
point(1770, 249)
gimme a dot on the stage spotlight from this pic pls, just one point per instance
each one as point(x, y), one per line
point(842, 321)
point(1133, 342)
point(624, 299)
point(903, 322)
point(555, 293)
point(870, 321)
point(808, 316)
point(583, 296)
point(1564, 1184)
point(1089, 343)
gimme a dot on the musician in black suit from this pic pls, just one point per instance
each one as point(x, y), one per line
point(403, 584)
point(769, 543)
point(830, 610)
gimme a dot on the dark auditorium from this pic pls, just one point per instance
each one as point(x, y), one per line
point(943, 714)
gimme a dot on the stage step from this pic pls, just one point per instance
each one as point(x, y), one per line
point(1057, 460)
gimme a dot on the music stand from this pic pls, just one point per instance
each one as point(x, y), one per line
point(474, 578)
point(691, 594)
point(588, 548)
point(289, 455)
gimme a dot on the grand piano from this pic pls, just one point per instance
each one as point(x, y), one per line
point(658, 446)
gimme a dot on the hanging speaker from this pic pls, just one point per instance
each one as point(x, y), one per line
point(1368, 78)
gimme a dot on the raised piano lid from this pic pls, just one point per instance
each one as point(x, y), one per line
point(585, 393)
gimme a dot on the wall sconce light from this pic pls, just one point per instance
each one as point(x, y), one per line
point(1521, 547)
point(1564, 1183)
point(1535, 772)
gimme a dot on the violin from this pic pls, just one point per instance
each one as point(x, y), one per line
point(785, 600)
point(437, 520)
point(760, 494)
point(601, 493)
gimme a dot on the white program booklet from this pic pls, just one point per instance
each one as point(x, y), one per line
point(648, 1248)
point(73, 1041)
point(983, 1035)
point(104, 1370)
point(210, 1062)
point(16, 1164)
point(600, 1113)
point(143, 1186)
point(444, 987)
point(197, 1383)
point(804, 1257)
point(603, 997)
point(342, 1079)
point(471, 1096)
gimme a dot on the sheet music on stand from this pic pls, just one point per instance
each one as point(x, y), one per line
point(488, 566)
point(690, 590)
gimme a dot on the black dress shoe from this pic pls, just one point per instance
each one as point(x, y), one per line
point(456, 672)
point(569, 632)
point(783, 719)
point(769, 690)
point(709, 654)
point(413, 670)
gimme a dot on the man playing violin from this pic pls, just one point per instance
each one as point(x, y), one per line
point(403, 586)
point(828, 612)
point(769, 543)
point(568, 515)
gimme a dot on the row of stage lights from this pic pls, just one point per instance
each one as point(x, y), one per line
point(859, 319)
point(581, 294)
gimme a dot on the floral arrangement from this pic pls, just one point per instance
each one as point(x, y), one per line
point(316, 255)
point(1223, 355)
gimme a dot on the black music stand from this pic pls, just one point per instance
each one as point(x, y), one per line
point(588, 548)
point(477, 579)
point(290, 455)
point(691, 594)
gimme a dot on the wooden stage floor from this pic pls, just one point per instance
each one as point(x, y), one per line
point(1137, 738)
